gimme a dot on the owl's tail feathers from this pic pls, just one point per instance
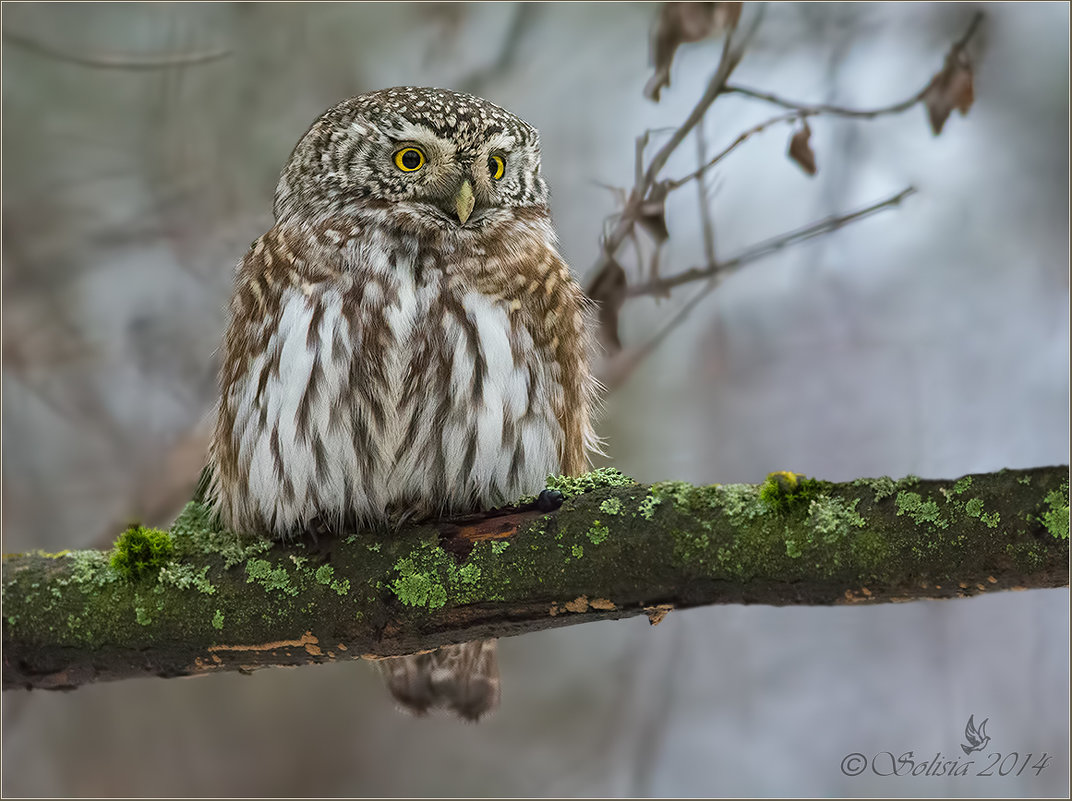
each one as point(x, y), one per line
point(462, 678)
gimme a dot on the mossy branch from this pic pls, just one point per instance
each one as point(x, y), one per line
point(211, 602)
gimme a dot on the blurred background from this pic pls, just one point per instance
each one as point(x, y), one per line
point(141, 146)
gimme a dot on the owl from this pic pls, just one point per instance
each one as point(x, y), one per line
point(404, 343)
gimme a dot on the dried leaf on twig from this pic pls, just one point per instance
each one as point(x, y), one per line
point(684, 22)
point(951, 88)
point(608, 290)
point(652, 213)
point(800, 149)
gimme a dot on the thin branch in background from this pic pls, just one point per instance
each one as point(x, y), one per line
point(506, 57)
point(811, 110)
point(973, 27)
point(768, 247)
point(801, 111)
point(638, 251)
point(732, 53)
point(624, 367)
point(656, 698)
point(731, 56)
point(447, 20)
point(706, 222)
point(625, 363)
point(115, 61)
point(675, 183)
point(638, 164)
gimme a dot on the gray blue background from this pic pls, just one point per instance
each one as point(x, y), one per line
point(931, 340)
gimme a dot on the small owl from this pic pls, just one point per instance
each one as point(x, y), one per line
point(404, 343)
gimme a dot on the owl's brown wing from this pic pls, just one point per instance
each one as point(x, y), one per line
point(535, 280)
point(562, 323)
point(463, 678)
point(581, 389)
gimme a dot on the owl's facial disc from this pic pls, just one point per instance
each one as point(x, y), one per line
point(456, 176)
point(415, 148)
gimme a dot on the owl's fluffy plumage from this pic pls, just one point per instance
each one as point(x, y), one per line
point(390, 356)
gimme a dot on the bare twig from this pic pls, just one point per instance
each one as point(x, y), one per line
point(638, 165)
point(707, 224)
point(674, 183)
point(506, 56)
point(801, 111)
point(811, 110)
point(973, 26)
point(116, 61)
point(731, 56)
point(625, 363)
point(649, 191)
point(646, 179)
point(759, 251)
point(807, 110)
point(733, 50)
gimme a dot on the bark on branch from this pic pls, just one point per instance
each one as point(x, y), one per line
point(614, 549)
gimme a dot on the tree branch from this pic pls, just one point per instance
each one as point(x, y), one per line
point(660, 286)
point(644, 204)
point(613, 550)
point(732, 53)
point(811, 110)
point(807, 110)
point(675, 183)
point(115, 61)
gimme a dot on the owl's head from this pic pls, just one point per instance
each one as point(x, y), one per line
point(451, 158)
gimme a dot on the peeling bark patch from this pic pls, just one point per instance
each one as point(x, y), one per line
point(579, 604)
point(657, 613)
point(857, 596)
point(307, 641)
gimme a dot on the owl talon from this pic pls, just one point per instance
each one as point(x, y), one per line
point(319, 535)
point(549, 499)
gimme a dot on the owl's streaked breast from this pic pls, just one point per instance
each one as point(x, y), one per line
point(392, 388)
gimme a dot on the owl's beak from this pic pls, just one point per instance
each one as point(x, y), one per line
point(464, 201)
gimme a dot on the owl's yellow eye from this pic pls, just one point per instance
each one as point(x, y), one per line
point(496, 166)
point(409, 159)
